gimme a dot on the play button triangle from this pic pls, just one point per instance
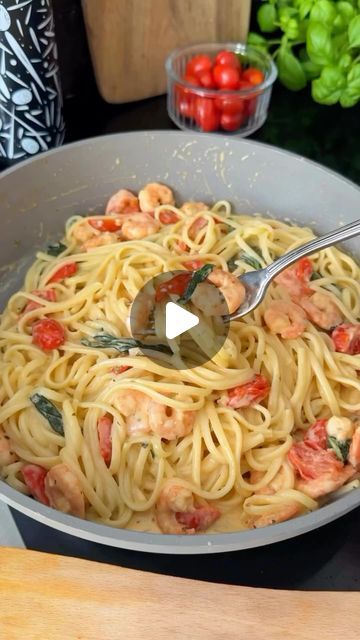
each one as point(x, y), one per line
point(178, 320)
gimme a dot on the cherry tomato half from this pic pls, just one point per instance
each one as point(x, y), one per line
point(226, 77)
point(167, 216)
point(104, 428)
point(106, 224)
point(254, 76)
point(198, 63)
point(63, 272)
point(48, 334)
point(177, 284)
point(207, 115)
point(34, 478)
point(228, 58)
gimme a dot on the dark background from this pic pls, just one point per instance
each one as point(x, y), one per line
point(328, 558)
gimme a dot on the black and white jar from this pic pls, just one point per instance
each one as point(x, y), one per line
point(31, 113)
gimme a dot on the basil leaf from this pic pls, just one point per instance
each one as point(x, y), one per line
point(48, 411)
point(351, 95)
point(328, 88)
point(291, 73)
point(345, 62)
point(266, 17)
point(305, 8)
point(315, 276)
point(251, 261)
point(198, 276)
point(107, 341)
point(354, 32)
point(56, 248)
point(323, 11)
point(231, 264)
point(255, 40)
point(319, 44)
point(340, 447)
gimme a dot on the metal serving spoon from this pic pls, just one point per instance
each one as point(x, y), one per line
point(256, 282)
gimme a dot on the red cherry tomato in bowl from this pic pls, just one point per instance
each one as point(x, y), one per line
point(226, 77)
point(207, 115)
point(231, 121)
point(228, 58)
point(230, 104)
point(191, 79)
point(206, 80)
point(252, 75)
point(187, 105)
point(198, 63)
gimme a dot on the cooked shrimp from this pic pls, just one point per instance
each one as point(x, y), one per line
point(153, 195)
point(321, 310)
point(276, 484)
point(138, 226)
point(123, 201)
point(100, 241)
point(6, 455)
point(191, 208)
point(211, 302)
point(144, 415)
point(83, 232)
point(286, 318)
point(64, 492)
point(279, 513)
point(295, 279)
point(354, 451)
point(177, 513)
point(140, 313)
point(169, 423)
point(326, 482)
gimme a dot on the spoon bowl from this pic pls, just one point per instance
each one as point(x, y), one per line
point(256, 282)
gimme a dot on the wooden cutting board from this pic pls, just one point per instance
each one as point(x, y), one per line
point(129, 41)
point(51, 597)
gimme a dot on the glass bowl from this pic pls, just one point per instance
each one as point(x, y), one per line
point(185, 101)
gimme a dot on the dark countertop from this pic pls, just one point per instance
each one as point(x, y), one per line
point(328, 558)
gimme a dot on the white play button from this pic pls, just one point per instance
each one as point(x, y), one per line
point(178, 320)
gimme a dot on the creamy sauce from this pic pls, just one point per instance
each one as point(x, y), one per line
point(228, 522)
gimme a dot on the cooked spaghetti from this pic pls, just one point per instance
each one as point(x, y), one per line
point(263, 432)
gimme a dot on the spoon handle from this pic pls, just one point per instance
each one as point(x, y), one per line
point(344, 233)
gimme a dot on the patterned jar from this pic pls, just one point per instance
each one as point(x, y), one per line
point(31, 113)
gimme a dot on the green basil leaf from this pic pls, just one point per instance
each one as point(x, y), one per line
point(48, 411)
point(108, 341)
point(323, 11)
point(354, 32)
point(231, 264)
point(198, 276)
point(345, 62)
point(351, 95)
point(305, 7)
point(319, 44)
point(340, 447)
point(251, 261)
point(266, 17)
point(56, 249)
point(291, 73)
point(311, 70)
point(255, 40)
point(328, 88)
point(345, 10)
